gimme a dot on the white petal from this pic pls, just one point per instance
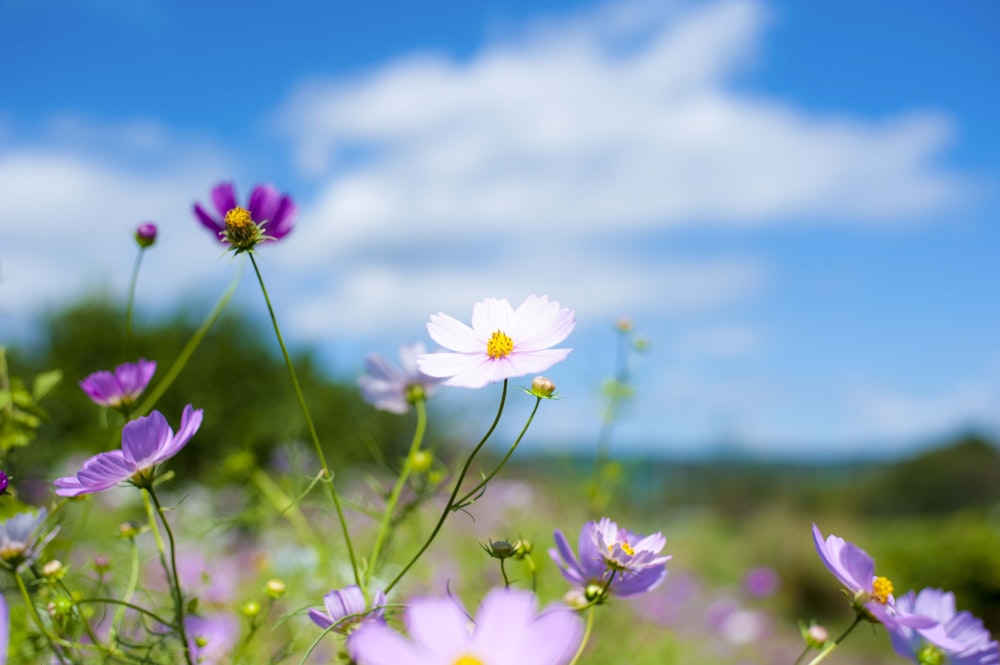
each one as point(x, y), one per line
point(491, 315)
point(454, 335)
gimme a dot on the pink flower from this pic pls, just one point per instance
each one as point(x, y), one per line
point(120, 388)
point(502, 342)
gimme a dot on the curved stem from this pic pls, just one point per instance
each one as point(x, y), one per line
point(390, 508)
point(147, 404)
point(131, 301)
point(285, 506)
point(475, 490)
point(454, 492)
point(33, 611)
point(309, 424)
point(828, 649)
point(133, 582)
point(175, 581)
point(127, 605)
point(586, 636)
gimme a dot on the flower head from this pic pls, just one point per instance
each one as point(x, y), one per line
point(611, 560)
point(959, 638)
point(392, 388)
point(345, 610)
point(146, 442)
point(121, 388)
point(502, 342)
point(871, 596)
point(145, 235)
point(268, 215)
point(23, 537)
point(507, 630)
point(4, 483)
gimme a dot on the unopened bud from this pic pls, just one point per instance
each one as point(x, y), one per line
point(815, 635)
point(421, 461)
point(251, 608)
point(624, 324)
point(128, 530)
point(500, 549)
point(53, 569)
point(275, 588)
point(542, 386)
point(145, 235)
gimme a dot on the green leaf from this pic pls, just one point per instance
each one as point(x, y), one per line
point(45, 382)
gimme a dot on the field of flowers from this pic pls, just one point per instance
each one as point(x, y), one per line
point(426, 556)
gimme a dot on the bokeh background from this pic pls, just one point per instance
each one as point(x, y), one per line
point(795, 205)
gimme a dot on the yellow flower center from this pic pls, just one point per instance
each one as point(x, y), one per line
point(238, 219)
point(241, 231)
point(882, 589)
point(468, 660)
point(625, 547)
point(499, 346)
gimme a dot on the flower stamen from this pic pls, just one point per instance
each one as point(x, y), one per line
point(241, 231)
point(882, 589)
point(468, 660)
point(625, 548)
point(499, 346)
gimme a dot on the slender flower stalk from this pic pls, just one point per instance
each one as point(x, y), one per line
point(390, 508)
point(185, 355)
point(586, 635)
point(829, 648)
point(454, 493)
point(309, 424)
point(172, 577)
point(145, 236)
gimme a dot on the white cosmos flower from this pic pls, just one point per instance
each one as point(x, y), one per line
point(502, 343)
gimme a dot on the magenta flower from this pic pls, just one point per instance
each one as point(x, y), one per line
point(611, 561)
point(871, 596)
point(392, 388)
point(270, 211)
point(958, 639)
point(345, 611)
point(145, 235)
point(502, 342)
point(507, 630)
point(121, 388)
point(146, 442)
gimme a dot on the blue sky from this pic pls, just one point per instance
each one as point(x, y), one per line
point(796, 202)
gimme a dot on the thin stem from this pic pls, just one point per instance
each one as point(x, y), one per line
point(122, 603)
point(454, 492)
point(175, 580)
point(475, 490)
point(49, 637)
point(131, 301)
point(586, 636)
point(185, 355)
point(309, 424)
point(503, 573)
point(133, 582)
point(284, 505)
point(390, 508)
point(828, 649)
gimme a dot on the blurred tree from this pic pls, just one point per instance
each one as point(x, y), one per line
point(236, 375)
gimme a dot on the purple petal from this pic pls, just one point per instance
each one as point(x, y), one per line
point(209, 222)
point(552, 638)
point(638, 583)
point(144, 438)
point(102, 388)
point(224, 198)
point(503, 614)
point(438, 626)
point(263, 203)
point(281, 224)
point(377, 644)
point(190, 422)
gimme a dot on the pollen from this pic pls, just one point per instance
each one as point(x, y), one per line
point(241, 231)
point(468, 660)
point(625, 547)
point(882, 589)
point(238, 219)
point(499, 346)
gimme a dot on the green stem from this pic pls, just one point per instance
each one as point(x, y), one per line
point(390, 508)
point(147, 404)
point(454, 492)
point(122, 603)
point(285, 506)
point(503, 573)
point(133, 582)
point(131, 301)
point(586, 637)
point(173, 578)
point(828, 649)
point(475, 490)
point(33, 611)
point(309, 424)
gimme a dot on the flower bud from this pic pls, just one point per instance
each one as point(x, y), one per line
point(53, 569)
point(128, 530)
point(815, 635)
point(542, 387)
point(145, 235)
point(60, 607)
point(500, 549)
point(523, 548)
point(421, 461)
point(251, 608)
point(624, 324)
point(102, 563)
point(275, 588)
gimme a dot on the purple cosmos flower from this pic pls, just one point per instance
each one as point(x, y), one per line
point(761, 581)
point(507, 630)
point(346, 611)
point(4, 483)
point(121, 388)
point(625, 563)
point(146, 442)
point(4, 629)
point(269, 209)
point(502, 342)
point(145, 235)
point(871, 596)
point(23, 537)
point(392, 388)
point(959, 639)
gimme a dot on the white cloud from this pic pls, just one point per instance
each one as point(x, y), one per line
point(629, 128)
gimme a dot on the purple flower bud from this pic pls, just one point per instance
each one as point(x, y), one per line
point(4, 482)
point(145, 235)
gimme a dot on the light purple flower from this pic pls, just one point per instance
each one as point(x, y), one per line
point(392, 388)
point(211, 637)
point(508, 629)
point(761, 581)
point(630, 562)
point(146, 442)
point(959, 636)
point(269, 209)
point(345, 610)
point(23, 537)
point(120, 388)
point(502, 342)
point(871, 596)
point(4, 629)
